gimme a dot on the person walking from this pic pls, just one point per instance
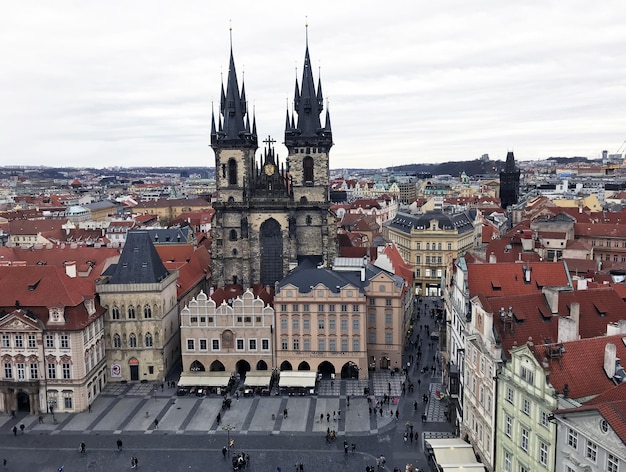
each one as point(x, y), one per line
point(156, 423)
point(82, 447)
point(119, 444)
point(14, 430)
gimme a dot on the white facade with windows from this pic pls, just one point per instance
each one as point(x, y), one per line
point(587, 442)
point(234, 337)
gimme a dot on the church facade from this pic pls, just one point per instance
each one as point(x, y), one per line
point(270, 215)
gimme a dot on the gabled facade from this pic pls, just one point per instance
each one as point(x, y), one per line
point(526, 437)
point(235, 336)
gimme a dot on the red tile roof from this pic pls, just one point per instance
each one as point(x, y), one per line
point(581, 366)
point(534, 319)
point(507, 278)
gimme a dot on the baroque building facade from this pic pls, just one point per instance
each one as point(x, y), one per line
point(53, 353)
point(270, 215)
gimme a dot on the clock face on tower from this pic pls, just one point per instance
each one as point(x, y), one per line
point(269, 169)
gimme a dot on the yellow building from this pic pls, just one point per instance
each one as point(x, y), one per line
point(431, 242)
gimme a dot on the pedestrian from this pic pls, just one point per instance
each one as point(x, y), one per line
point(397, 414)
point(345, 447)
point(327, 417)
point(22, 427)
point(353, 448)
point(218, 419)
point(411, 436)
point(321, 417)
point(224, 451)
point(301, 467)
point(4, 462)
point(156, 423)
point(381, 412)
point(334, 417)
point(14, 430)
point(60, 469)
point(415, 405)
point(40, 418)
point(89, 408)
point(119, 444)
point(370, 411)
point(82, 447)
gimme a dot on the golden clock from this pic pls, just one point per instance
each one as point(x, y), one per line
point(269, 169)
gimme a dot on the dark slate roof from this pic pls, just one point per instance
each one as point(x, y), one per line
point(172, 235)
point(463, 222)
point(305, 277)
point(101, 205)
point(139, 262)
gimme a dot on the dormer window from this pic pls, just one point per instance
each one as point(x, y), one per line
point(56, 315)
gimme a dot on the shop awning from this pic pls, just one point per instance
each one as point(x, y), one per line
point(454, 455)
point(305, 379)
point(258, 379)
point(204, 379)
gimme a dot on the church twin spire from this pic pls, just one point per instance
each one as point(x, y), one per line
point(234, 120)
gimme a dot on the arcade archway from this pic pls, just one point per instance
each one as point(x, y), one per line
point(326, 369)
point(242, 367)
point(217, 366)
point(304, 366)
point(350, 371)
point(286, 365)
point(23, 402)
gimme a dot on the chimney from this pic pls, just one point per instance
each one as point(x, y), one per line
point(492, 258)
point(552, 297)
point(70, 269)
point(610, 355)
point(574, 313)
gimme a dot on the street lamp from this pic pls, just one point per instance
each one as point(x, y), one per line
point(228, 428)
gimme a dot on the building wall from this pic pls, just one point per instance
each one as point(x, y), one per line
point(585, 439)
point(237, 336)
point(431, 266)
point(163, 327)
point(62, 370)
point(321, 326)
point(525, 436)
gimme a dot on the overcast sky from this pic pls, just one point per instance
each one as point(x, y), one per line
point(131, 83)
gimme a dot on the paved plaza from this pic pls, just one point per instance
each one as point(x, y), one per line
point(188, 436)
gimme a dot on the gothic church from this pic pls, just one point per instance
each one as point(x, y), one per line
point(270, 215)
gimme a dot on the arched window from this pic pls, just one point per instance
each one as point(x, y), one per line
point(234, 252)
point(307, 169)
point(148, 340)
point(115, 313)
point(439, 247)
point(232, 172)
point(132, 340)
point(232, 235)
point(131, 312)
point(117, 341)
point(147, 311)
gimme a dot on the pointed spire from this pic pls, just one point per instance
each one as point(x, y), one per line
point(233, 107)
point(254, 122)
point(510, 162)
point(213, 130)
point(308, 106)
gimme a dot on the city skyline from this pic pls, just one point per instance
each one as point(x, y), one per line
point(116, 84)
